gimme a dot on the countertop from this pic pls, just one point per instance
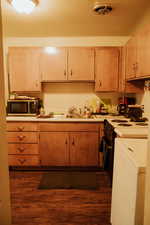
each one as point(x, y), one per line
point(58, 119)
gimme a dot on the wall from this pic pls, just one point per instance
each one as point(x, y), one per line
point(59, 97)
point(144, 99)
point(4, 176)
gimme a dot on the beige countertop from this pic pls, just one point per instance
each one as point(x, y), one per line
point(56, 119)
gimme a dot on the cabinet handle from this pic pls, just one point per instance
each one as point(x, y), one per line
point(130, 149)
point(21, 149)
point(71, 72)
point(22, 161)
point(73, 142)
point(100, 83)
point(20, 128)
point(21, 137)
point(64, 72)
point(66, 142)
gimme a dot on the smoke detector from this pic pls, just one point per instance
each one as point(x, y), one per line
point(102, 8)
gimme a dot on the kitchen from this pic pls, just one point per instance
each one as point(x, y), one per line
point(59, 97)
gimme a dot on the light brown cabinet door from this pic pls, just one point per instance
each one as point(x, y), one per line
point(84, 148)
point(143, 54)
point(131, 58)
point(106, 69)
point(54, 148)
point(24, 69)
point(81, 64)
point(54, 64)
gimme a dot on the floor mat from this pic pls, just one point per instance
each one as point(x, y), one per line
point(68, 180)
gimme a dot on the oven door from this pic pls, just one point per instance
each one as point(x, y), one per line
point(17, 107)
point(106, 149)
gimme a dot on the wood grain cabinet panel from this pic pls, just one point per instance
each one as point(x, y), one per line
point(69, 126)
point(24, 69)
point(27, 149)
point(84, 149)
point(69, 144)
point(131, 58)
point(22, 137)
point(54, 64)
point(137, 55)
point(23, 160)
point(81, 64)
point(22, 126)
point(68, 64)
point(23, 144)
point(143, 54)
point(106, 69)
point(124, 85)
point(54, 147)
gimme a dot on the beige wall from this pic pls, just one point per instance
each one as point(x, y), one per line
point(60, 97)
point(4, 176)
point(144, 99)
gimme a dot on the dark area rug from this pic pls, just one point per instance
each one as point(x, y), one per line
point(68, 180)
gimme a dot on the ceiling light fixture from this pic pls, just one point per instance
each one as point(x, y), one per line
point(102, 8)
point(24, 6)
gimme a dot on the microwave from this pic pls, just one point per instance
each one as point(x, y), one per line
point(18, 107)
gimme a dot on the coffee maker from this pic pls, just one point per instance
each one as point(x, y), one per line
point(123, 103)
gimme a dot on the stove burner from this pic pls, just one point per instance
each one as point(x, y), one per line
point(125, 124)
point(120, 121)
point(142, 124)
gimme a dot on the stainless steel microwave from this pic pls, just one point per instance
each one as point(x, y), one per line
point(18, 107)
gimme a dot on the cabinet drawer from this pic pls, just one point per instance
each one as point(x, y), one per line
point(69, 127)
point(22, 137)
point(23, 149)
point(21, 126)
point(23, 160)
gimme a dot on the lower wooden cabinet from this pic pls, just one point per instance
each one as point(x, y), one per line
point(23, 160)
point(84, 149)
point(23, 144)
point(54, 148)
point(70, 147)
point(53, 144)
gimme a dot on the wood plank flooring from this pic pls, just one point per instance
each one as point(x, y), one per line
point(31, 206)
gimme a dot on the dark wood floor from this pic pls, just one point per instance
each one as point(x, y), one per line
point(31, 206)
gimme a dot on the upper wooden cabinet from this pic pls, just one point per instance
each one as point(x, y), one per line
point(81, 64)
point(68, 64)
point(24, 69)
point(124, 85)
point(143, 54)
point(137, 55)
point(54, 64)
point(106, 69)
point(131, 58)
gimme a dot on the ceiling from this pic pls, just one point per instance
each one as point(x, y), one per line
point(73, 18)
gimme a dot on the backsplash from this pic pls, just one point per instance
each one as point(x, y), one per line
point(58, 97)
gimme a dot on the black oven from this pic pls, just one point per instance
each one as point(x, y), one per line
point(23, 107)
point(107, 147)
